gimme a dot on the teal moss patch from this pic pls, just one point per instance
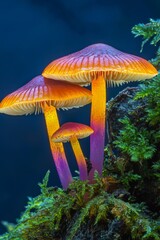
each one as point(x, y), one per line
point(56, 214)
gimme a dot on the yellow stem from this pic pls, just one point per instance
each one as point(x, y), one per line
point(81, 162)
point(98, 118)
point(57, 149)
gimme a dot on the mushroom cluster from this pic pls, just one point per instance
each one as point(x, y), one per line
point(97, 65)
point(60, 86)
point(45, 95)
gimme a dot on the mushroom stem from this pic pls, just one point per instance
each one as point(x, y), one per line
point(57, 149)
point(98, 115)
point(79, 158)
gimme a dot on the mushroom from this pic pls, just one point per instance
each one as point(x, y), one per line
point(98, 64)
point(72, 131)
point(41, 94)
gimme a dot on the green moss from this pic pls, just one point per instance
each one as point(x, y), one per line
point(150, 32)
point(47, 216)
point(137, 143)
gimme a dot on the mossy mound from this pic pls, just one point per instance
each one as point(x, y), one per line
point(85, 211)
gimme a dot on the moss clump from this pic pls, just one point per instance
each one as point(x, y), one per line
point(134, 142)
point(134, 132)
point(125, 203)
point(56, 214)
point(150, 32)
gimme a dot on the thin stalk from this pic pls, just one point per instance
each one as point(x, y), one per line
point(98, 118)
point(81, 162)
point(57, 149)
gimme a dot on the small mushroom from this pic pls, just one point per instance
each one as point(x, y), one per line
point(41, 94)
point(98, 64)
point(72, 131)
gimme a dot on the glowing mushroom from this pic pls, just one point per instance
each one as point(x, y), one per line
point(44, 95)
point(72, 131)
point(97, 64)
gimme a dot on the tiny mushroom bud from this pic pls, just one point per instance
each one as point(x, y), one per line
point(72, 132)
point(98, 64)
point(41, 94)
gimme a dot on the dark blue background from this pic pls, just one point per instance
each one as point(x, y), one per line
point(32, 33)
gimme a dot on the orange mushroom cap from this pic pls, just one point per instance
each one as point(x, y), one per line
point(29, 98)
point(70, 129)
point(99, 59)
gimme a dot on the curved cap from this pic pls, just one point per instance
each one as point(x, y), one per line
point(31, 97)
point(69, 130)
point(99, 59)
